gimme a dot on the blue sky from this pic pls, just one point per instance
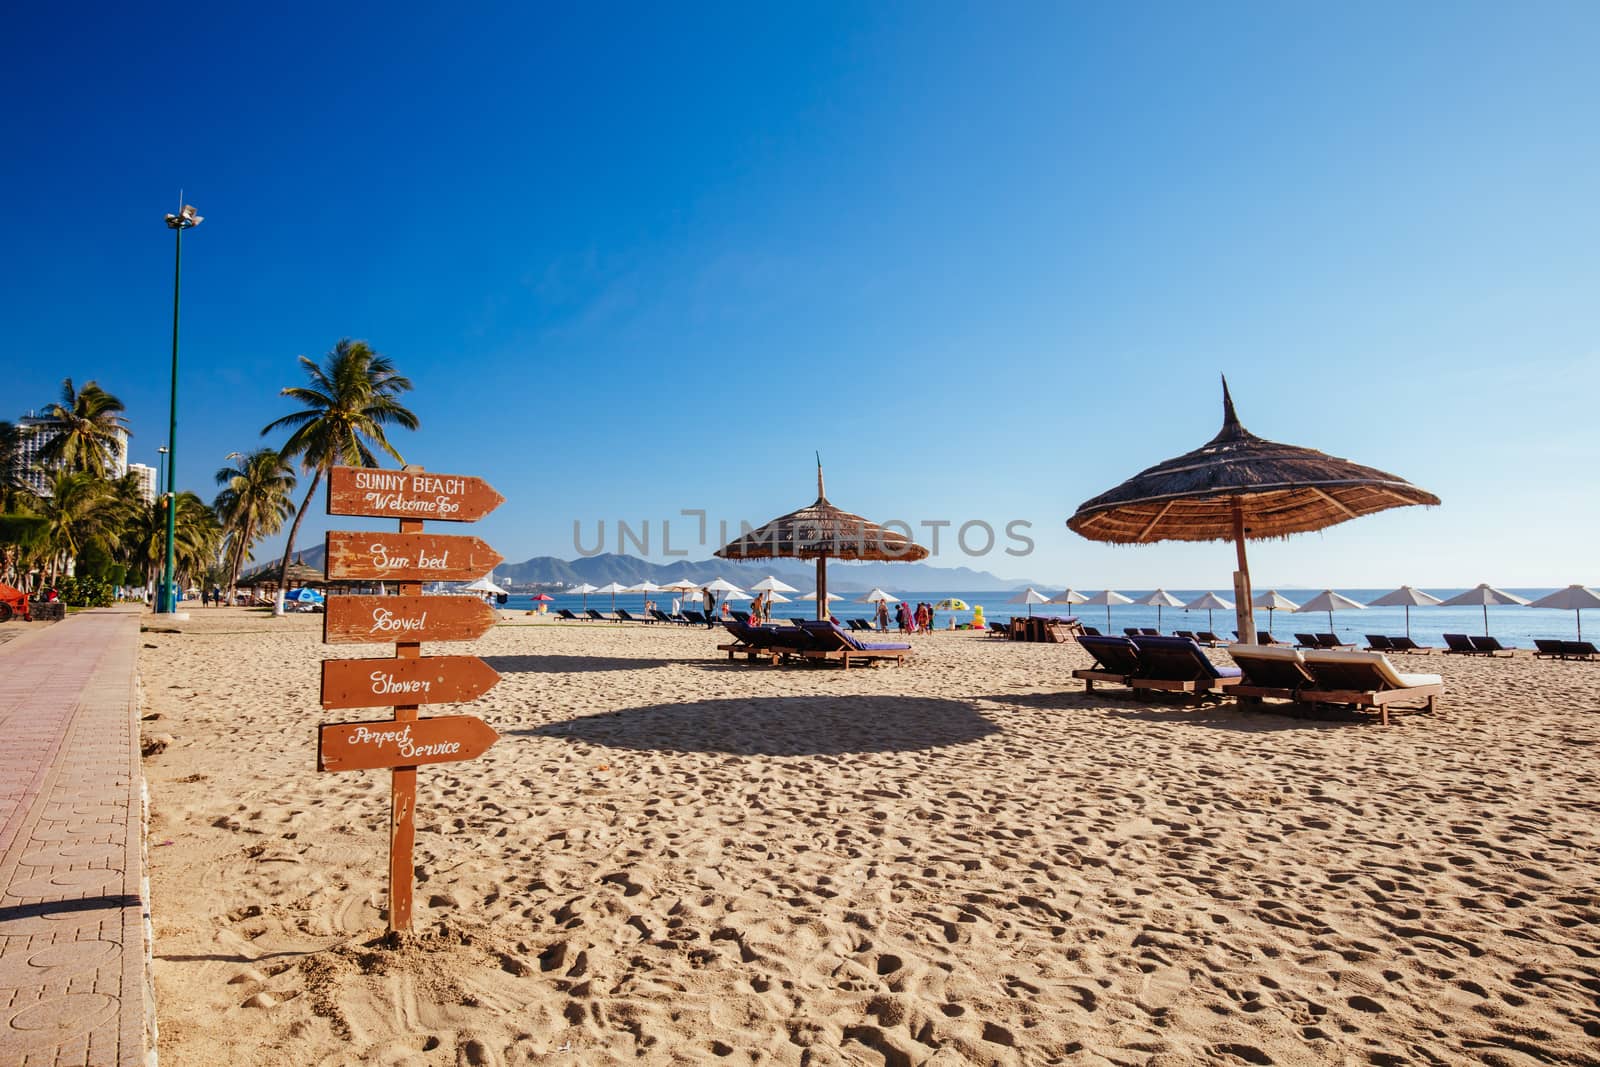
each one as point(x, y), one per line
point(988, 259)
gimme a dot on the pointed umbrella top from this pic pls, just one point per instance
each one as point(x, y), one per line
point(1485, 595)
point(1282, 489)
point(1328, 600)
point(1406, 597)
point(1069, 596)
point(822, 531)
point(1572, 598)
point(1209, 602)
point(1029, 595)
point(1160, 599)
point(1274, 601)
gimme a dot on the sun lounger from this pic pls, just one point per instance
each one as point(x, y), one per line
point(696, 618)
point(1057, 630)
point(1149, 631)
point(1366, 680)
point(1460, 645)
point(1405, 644)
point(1379, 643)
point(999, 629)
point(1116, 660)
point(1580, 649)
point(1133, 631)
point(1208, 638)
point(1489, 646)
point(1546, 649)
point(770, 643)
point(1331, 641)
point(1177, 665)
point(1269, 671)
point(1186, 634)
point(1090, 631)
point(565, 613)
point(1307, 641)
point(833, 644)
point(740, 616)
point(598, 617)
point(1264, 637)
point(623, 616)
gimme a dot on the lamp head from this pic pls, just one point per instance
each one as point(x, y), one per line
point(185, 219)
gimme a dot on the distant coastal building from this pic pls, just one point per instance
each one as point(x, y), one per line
point(37, 475)
point(147, 481)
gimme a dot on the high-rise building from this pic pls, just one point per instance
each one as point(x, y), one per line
point(36, 433)
point(147, 481)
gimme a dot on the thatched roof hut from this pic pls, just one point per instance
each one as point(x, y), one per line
point(1239, 487)
point(299, 573)
point(821, 531)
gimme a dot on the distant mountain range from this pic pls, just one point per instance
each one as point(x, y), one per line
point(628, 570)
point(842, 577)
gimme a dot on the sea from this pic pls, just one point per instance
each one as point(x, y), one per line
point(1513, 625)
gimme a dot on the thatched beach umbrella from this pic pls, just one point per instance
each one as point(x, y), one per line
point(822, 532)
point(1236, 487)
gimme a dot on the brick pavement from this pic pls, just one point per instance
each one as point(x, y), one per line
point(74, 973)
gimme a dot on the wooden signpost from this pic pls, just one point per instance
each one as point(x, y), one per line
point(356, 620)
point(384, 745)
point(409, 680)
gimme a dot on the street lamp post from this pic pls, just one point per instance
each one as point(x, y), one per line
point(185, 219)
point(162, 488)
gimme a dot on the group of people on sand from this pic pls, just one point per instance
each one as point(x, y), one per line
point(917, 620)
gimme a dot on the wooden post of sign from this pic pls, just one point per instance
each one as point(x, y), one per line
point(403, 787)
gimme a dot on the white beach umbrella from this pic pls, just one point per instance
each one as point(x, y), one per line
point(737, 594)
point(1107, 597)
point(644, 588)
point(682, 585)
point(1273, 600)
point(1408, 598)
point(1572, 598)
point(812, 596)
point(720, 585)
point(1210, 602)
point(1158, 600)
point(583, 590)
point(1068, 596)
point(1483, 595)
point(613, 588)
point(482, 585)
point(1329, 601)
point(877, 595)
point(1029, 596)
point(769, 584)
point(776, 597)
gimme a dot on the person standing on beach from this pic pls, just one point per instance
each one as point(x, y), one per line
point(711, 609)
point(883, 616)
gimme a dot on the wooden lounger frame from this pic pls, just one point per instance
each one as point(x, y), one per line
point(1092, 676)
point(1377, 698)
point(861, 655)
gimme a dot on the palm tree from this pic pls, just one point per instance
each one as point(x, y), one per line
point(79, 510)
point(197, 537)
point(254, 502)
point(88, 424)
point(350, 400)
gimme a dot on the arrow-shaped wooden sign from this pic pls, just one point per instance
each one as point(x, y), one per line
point(375, 619)
point(365, 746)
point(378, 683)
point(407, 557)
point(409, 494)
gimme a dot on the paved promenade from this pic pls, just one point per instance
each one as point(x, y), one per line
point(74, 983)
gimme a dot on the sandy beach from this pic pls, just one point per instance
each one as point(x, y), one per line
point(669, 858)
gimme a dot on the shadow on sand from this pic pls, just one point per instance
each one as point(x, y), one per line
point(781, 726)
point(565, 664)
point(1228, 716)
